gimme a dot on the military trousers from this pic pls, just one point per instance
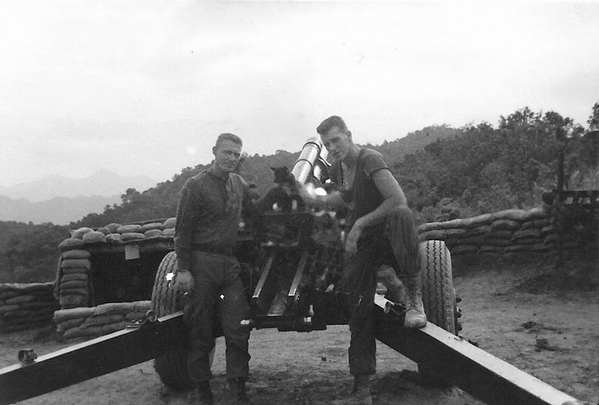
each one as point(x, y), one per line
point(394, 243)
point(216, 306)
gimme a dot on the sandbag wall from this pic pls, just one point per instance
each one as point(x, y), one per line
point(507, 231)
point(100, 320)
point(118, 234)
point(72, 287)
point(73, 280)
point(26, 306)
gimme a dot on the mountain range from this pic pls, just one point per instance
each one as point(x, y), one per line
point(101, 183)
point(61, 200)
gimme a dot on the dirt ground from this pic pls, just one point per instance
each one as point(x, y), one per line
point(509, 306)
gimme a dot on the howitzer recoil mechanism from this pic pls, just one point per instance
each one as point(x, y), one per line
point(291, 288)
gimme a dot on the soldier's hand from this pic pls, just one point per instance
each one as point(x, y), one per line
point(351, 244)
point(184, 282)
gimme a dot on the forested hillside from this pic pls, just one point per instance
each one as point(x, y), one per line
point(446, 173)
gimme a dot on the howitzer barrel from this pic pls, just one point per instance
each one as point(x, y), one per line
point(306, 165)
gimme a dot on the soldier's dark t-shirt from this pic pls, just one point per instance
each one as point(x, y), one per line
point(209, 213)
point(363, 197)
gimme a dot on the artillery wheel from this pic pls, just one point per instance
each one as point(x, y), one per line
point(172, 367)
point(438, 296)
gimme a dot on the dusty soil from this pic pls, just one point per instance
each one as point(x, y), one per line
point(508, 305)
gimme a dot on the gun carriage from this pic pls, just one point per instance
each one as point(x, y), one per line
point(292, 264)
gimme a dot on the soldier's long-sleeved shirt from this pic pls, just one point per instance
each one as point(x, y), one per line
point(209, 213)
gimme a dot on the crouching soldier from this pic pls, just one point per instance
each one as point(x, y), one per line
point(382, 232)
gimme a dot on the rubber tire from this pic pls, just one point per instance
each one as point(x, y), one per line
point(438, 294)
point(438, 297)
point(172, 367)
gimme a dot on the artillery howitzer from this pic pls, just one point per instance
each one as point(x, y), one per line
point(291, 262)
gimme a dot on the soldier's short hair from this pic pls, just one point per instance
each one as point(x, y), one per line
point(228, 137)
point(331, 122)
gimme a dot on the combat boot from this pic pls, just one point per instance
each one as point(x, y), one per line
point(202, 394)
point(237, 386)
point(360, 394)
point(395, 289)
point(415, 316)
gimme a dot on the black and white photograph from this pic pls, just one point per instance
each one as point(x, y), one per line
point(299, 202)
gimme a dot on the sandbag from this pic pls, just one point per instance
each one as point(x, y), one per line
point(113, 227)
point(78, 331)
point(431, 226)
point(517, 248)
point(74, 270)
point(74, 276)
point(491, 249)
point(102, 320)
point(5, 309)
point(74, 291)
point(4, 295)
point(504, 225)
point(151, 226)
point(70, 243)
point(143, 306)
point(68, 324)
point(129, 228)
point(104, 230)
point(433, 235)
point(134, 316)
point(461, 249)
point(77, 263)
point(496, 242)
point(454, 232)
point(548, 230)
point(537, 213)
point(499, 234)
point(26, 287)
point(170, 223)
point(533, 233)
point(552, 238)
point(94, 237)
point(152, 233)
point(73, 284)
point(114, 308)
point(541, 247)
point(454, 223)
point(14, 314)
point(75, 313)
point(168, 232)
point(125, 237)
point(20, 299)
point(113, 237)
point(477, 230)
point(76, 254)
point(515, 215)
point(113, 327)
point(484, 219)
point(78, 234)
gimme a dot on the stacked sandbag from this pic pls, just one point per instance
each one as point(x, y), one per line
point(72, 287)
point(501, 232)
point(26, 306)
point(117, 234)
point(100, 320)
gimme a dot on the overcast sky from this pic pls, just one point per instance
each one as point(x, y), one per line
point(144, 87)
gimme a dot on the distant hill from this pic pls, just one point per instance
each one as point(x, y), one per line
point(415, 141)
point(103, 183)
point(58, 210)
